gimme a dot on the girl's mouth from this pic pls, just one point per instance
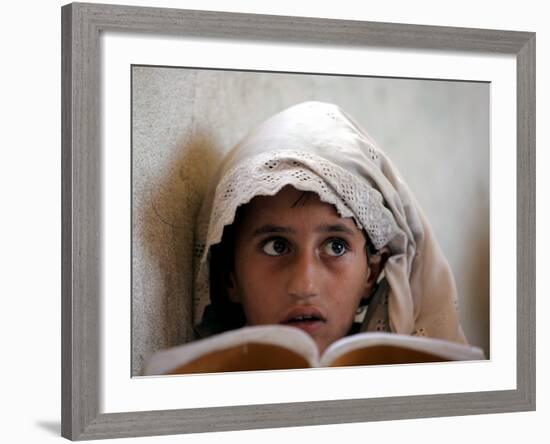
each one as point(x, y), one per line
point(308, 320)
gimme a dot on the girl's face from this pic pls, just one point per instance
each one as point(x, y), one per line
point(299, 264)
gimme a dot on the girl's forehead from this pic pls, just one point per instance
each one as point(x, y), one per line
point(289, 198)
point(291, 206)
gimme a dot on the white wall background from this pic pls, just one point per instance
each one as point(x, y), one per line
point(185, 120)
point(30, 223)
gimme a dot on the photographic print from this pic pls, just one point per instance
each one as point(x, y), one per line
point(267, 205)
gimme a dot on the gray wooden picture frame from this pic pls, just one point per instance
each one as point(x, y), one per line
point(81, 234)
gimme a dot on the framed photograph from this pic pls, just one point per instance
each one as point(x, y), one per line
point(153, 99)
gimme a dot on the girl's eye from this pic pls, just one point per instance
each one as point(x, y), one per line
point(336, 247)
point(275, 247)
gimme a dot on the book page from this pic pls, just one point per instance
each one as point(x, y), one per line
point(251, 356)
point(269, 347)
point(392, 348)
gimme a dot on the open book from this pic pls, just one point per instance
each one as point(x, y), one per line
point(275, 347)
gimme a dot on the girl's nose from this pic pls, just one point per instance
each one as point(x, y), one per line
point(303, 276)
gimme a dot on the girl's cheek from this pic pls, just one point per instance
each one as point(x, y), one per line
point(262, 266)
point(341, 264)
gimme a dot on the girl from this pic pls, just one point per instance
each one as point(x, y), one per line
point(308, 223)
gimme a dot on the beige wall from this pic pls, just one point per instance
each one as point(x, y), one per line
point(184, 120)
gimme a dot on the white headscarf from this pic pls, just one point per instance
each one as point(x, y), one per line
point(317, 147)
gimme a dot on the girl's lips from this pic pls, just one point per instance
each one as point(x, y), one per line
point(307, 326)
point(308, 319)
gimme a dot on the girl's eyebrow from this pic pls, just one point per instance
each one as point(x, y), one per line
point(270, 228)
point(324, 228)
point(330, 228)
